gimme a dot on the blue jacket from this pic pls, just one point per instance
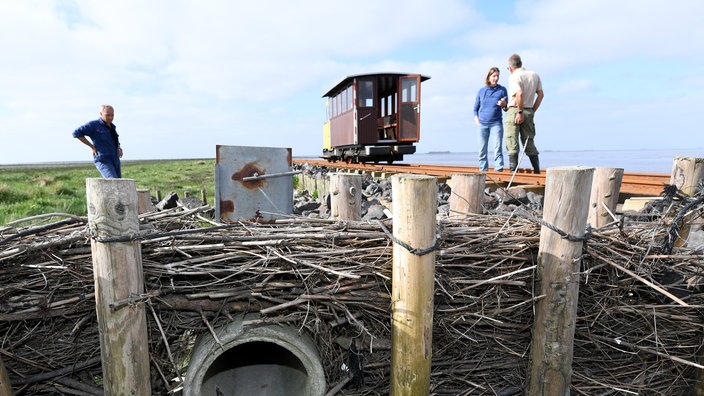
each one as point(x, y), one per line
point(105, 139)
point(485, 104)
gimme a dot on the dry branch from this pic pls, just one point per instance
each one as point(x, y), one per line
point(332, 280)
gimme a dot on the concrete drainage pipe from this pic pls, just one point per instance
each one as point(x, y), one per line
point(266, 360)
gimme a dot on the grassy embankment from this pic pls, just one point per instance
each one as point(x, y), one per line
point(39, 189)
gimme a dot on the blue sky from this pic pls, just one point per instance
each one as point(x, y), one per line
point(185, 76)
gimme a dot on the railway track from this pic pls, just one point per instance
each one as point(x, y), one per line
point(633, 183)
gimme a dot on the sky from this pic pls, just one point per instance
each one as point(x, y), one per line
point(185, 76)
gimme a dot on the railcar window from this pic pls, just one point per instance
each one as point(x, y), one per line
point(365, 94)
point(343, 101)
point(409, 89)
point(390, 105)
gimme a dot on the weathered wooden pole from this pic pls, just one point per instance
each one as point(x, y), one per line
point(467, 194)
point(5, 386)
point(117, 269)
point(567, 193)
point(144, 201)
point(413, 276)
point(606, 188)
point(345, 196)
point(203, 197)
point(686, 173)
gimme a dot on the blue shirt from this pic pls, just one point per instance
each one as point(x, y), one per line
point(104, 138)
point(485, 104)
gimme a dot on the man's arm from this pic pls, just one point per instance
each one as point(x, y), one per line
point(519, 99)
point(88, 143)
point(538, 99)
point(519, 104)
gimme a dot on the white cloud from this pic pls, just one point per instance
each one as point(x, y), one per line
point(185, 75)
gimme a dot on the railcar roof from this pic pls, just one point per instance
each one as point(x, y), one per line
point(346, 81)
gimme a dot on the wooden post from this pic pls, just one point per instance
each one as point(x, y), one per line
point(117, 269)
point(203, 197)
point(686, 173)
point(5, 386)
point(567, 192)
point(413, 276)
point(606, 188)
point(467, 194)
point(144, 201)
point(345, 196)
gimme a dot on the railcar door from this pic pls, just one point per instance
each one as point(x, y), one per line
point(364, 106)
point(409, 108)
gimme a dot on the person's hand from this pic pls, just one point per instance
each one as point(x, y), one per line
point(519, 118)
point(119, 151)
point(476, 121)
point(502, 102)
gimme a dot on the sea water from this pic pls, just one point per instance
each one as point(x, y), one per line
point(648, 161)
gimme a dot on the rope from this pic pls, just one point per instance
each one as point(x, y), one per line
point(418, 252)
point(412, 250)
point(542, 222)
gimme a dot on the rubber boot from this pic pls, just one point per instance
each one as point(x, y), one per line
point(536, 163)
point(512, 162)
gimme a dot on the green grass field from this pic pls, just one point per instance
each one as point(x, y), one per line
point(30, 190)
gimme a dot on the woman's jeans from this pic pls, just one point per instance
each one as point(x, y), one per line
point(498, 132)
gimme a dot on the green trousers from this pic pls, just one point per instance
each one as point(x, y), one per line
point(525, 132)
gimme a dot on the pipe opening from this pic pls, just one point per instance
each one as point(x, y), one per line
point(256, 368)
point(259, 360)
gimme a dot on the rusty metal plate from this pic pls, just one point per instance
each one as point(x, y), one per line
point(252, 183)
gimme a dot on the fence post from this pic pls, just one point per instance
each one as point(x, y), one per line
point(144, 201)
point(413, 276)
point(467, 194)
point(606, 188)
point(117, 269)
point(346, 196)
point(686, 173)
point(567, 192)
point(5, 386)
point(203, 197)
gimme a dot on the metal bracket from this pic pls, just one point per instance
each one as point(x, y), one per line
point(259, 177)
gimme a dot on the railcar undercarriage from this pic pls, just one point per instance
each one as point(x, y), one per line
point(368, 153)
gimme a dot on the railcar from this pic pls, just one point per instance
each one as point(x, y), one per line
point(372, 118)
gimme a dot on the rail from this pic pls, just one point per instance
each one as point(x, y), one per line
point(633, 183)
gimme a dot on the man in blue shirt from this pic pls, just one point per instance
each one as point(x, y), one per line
point(104, 142)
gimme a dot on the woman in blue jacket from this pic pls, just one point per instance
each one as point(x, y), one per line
point(491, 99)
